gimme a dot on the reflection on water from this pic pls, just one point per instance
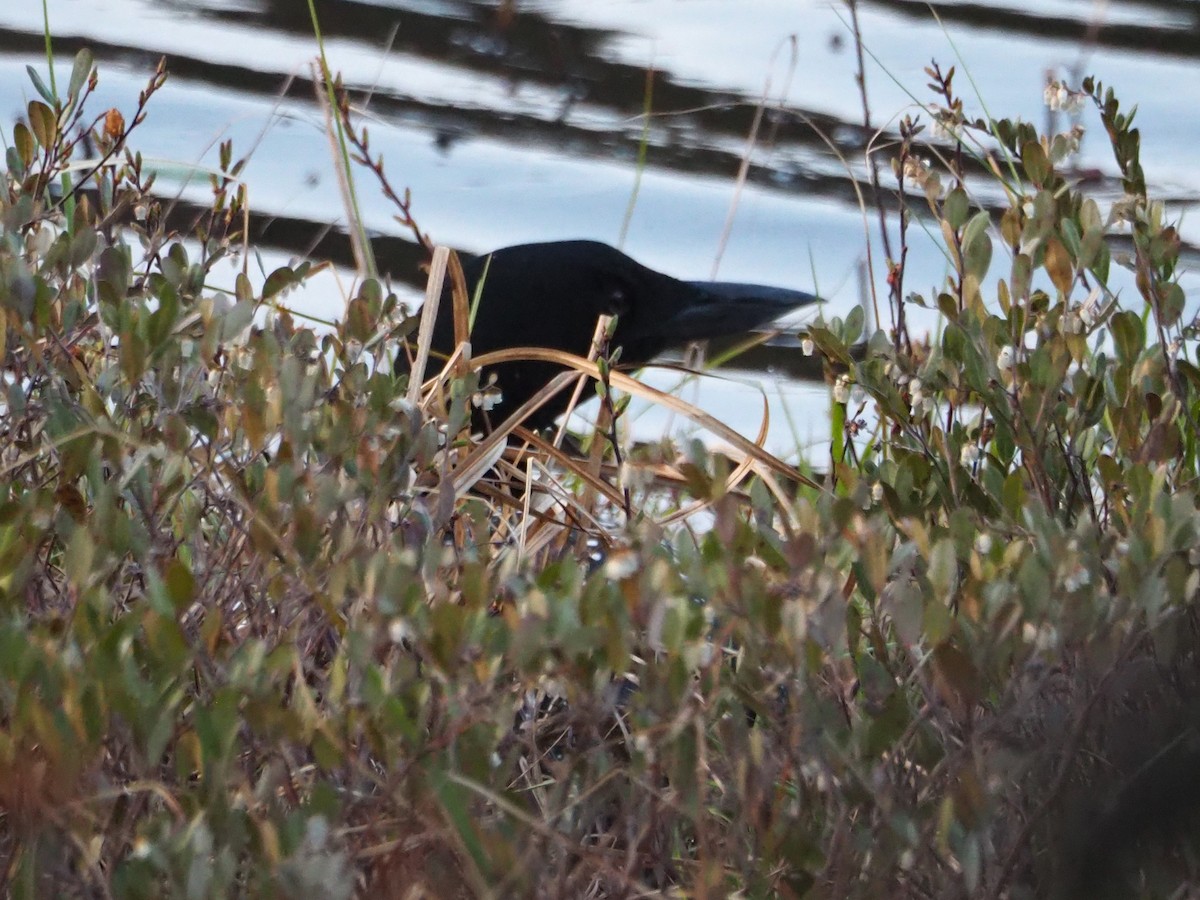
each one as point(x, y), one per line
point(516, 121)
point(571, 77)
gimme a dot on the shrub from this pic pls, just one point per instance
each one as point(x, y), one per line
point(256, 639)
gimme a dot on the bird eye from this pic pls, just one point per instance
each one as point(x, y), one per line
point(618, 300)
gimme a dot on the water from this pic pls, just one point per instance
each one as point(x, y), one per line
point(522, 121)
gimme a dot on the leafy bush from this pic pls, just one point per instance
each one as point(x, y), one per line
point(257, 638)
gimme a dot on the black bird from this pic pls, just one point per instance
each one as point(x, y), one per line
point(550, 295)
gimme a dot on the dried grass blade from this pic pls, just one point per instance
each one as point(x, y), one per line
point(630, 386)
point(462, 303)
point(572, 464)
point(735, 477)
point(433, 296)
point(485, 454)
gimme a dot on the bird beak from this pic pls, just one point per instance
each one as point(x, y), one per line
point(718, 308)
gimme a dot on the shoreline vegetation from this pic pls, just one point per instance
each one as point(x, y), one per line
point(272, 623)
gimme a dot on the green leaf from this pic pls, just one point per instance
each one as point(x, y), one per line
point(174, 264)
point(39, 85)
point(216, 727)
point(79, 74)
point(888, 725)
point(830, 345)
point(181, 584)
point(1059, 266)
point(977, 246)
point(281, 278)
point(454, 800)
point(1100, 266)
point(938, 621)
point(43, 123)
point(853, 328)
point(943, 570)
point(113, 274)
point(78, 558)
point(1190, 372)
point(83, 245)
point(904, 603)
point(237, 320)
point(242, 289)
point(1022, 277)
point(956, 207)
point(1035, 163)
point(948, 306)
point(23, 141)
point(326, 752)
point(1070, 236)
point(1171, 304)
point(162, 320)
point(1089, 247)
point(1128, 334)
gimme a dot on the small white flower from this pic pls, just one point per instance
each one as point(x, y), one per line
point(983, 544)
point(877, 492)
point(488, 398)
point(969, 454)
point(620, 565)
point(1075, 135)
point(1004, 359)
point(806, 346)
point(1043, 637)
point(1058, 96)
point(1078, 578)
point(841, 389)
point(399, 631)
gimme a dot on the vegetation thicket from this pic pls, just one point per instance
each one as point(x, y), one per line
point(272, 625)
